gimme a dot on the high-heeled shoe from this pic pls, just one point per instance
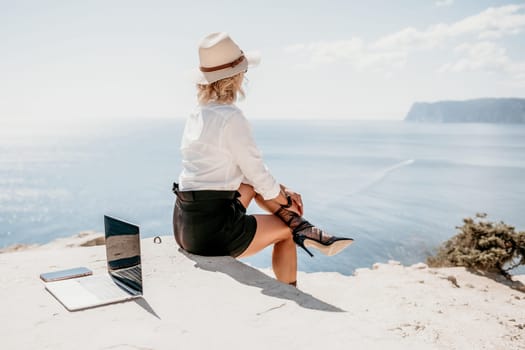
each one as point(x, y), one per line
point(307, 235)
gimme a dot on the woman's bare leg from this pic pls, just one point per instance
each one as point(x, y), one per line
point(271, 230)
point(272, 206)
point(247, 193)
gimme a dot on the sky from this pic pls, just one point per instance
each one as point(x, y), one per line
point(87, 60)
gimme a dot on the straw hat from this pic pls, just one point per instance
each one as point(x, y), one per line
point(220, 58)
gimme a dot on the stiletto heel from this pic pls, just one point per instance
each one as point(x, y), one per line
point(299, 240)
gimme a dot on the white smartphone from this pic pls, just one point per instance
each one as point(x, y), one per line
point(65, 274)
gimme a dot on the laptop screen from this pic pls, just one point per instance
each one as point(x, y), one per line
point(123, 253)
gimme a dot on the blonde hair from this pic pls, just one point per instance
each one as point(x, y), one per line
point(223, 91)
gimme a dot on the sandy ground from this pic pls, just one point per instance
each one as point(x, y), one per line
point(193, 302)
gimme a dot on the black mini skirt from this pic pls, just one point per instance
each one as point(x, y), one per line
point(212, 223)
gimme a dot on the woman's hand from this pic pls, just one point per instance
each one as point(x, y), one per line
point(297, 202)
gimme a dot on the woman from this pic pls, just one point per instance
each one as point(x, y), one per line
point(223, 171)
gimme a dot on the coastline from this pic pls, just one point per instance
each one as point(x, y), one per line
point(217, 302)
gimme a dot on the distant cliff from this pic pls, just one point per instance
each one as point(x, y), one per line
point(483, 110)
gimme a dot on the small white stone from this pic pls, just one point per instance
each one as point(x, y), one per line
point(393, 262)
point(420, 266)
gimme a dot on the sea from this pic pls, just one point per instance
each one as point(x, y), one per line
point(399, 189)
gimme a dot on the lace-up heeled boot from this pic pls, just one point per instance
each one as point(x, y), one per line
point(307, 235)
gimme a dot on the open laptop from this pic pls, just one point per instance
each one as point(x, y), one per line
point(123, 280)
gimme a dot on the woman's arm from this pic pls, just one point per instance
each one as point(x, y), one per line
point(242, 146)
point(240, 143)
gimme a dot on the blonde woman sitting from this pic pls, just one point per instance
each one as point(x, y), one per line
point(223, 171)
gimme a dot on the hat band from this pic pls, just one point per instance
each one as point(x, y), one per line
point(222, 66)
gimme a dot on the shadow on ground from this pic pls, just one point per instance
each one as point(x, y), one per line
point(143, 303)
point(509, 282)
point(252, 277)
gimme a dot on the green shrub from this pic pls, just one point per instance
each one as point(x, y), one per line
point(482, 245)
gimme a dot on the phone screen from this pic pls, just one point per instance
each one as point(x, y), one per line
point(65, 274)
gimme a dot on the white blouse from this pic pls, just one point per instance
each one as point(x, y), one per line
point(219, 153)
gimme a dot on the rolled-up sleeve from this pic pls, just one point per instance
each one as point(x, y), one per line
point(239, 140)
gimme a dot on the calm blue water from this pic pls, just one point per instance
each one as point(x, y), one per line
point(398, 188)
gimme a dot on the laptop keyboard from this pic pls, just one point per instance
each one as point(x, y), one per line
point(104, 288)
point(133, 273)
